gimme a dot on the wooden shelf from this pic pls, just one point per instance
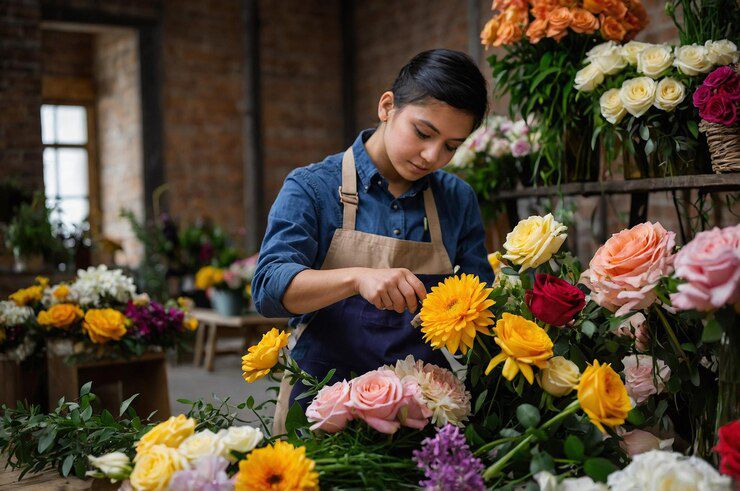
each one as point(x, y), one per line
point(707, 182)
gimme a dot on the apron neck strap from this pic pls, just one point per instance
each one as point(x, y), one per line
point(350, 199)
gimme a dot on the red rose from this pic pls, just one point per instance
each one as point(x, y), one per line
point(553, 300)
point(718, 77)
point(728, 449)
point(701, 96)
point(719, 109)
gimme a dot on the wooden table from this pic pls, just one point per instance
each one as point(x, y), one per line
point(249, 327)
point(49, 480)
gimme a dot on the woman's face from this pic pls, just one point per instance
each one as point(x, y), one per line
point(422, 137)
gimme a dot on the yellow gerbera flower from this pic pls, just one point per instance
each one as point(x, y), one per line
point(261, 357)
point(523, 344)
point(603, 396)
point(455, 311)
point(277, 467)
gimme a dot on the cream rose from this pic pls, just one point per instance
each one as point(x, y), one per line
point(559, 377)
point(242, 439)
point(632, 49)
point(155, 467)
point(637, 95)
point(588, 78)
point(611, 106)
point(114, 465)
point(201, 444)
point(599, 49)
point(610, 60)
point(655, 60)
point(534, 240)
point(692, 59)
point(669, 94)
point(723, 52)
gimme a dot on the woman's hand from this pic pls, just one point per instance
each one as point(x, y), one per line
point(390, 289)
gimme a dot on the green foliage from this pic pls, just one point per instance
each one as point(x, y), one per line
point(703, 20)
point(30, 231)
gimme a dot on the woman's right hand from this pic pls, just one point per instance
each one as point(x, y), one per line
point(390, 289)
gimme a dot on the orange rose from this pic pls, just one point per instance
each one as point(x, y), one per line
point(558, 22)
point(612, 29)
point(594, 6)
point(508, 33)
point(584, 21)
point(537, 30)
point(488, 34)
point(61, 315)
point(615, 8)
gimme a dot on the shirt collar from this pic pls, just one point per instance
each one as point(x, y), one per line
point(367, 170)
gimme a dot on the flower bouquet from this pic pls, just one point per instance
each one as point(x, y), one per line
point(230, 287)
point(717, 100)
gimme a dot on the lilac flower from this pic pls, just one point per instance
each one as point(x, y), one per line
point(448, 462)
point(209, 474)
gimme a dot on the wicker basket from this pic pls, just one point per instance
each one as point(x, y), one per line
point(724, 146)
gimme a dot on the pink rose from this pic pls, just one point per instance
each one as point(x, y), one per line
point(375, 398)
point(719, 77)
point(719, 109)
point(640, 379)
point(731, 88)
point(520, 148)
point(638, 441)
point(624, 272)
point(635, 327)
point(327, 410)
point(710, 264)
point(701, 96)
point(414, 413)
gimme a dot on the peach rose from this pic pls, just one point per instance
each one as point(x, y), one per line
point(542, 8)
point(558, 22)
point(636, 442)
point(508, 33)
point(644, 376)
point(328, 411)
point(415, 413)
point(612, 29)
point(625, 270)
point(594, 6)
point(488, 34)
point(375, 398)
point(537, 30)
point(584, 21)
point(615, 8)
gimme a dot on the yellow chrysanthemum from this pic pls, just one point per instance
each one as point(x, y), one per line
point(208, 276)
point(603, 396)
point(523, 344)
point(455, 311)
point(61, 315)
point(261, 357)
point(277, 467)
point(25, 296)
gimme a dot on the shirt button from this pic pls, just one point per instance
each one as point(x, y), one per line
point(395, 206)
point(396, 232)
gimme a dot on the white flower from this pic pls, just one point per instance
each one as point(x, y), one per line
point(655, 60)
point(588, 78)
point(549, 482)
point(610, 60)
point(115, 465)
point(97, 285)
point(23, 350)
point(13, 315)
point(599, 49)
point(637, 95)
point(669, 94)
point(692, 59)
point(499, 147)
point(241, 439)
point(611, 106)
point(658, 469)
point(463, 157)
point(201, 444)
point(632, 49)
point(722, 52)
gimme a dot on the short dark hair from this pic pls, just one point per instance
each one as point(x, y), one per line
point(446, 75)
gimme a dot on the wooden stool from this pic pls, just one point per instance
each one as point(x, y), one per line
point(211, 323)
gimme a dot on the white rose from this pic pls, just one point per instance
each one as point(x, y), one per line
point(599, 49)
point(692, 59)
point(655, 60)
point(241, 439)
point(610, 60)
point(201, 444)
point(638, 95)
point(611, 106)
point(722, 52)
point(549, 482)
point(114, 465)
point(588, 78)
point(669, 94)
point(632, 49)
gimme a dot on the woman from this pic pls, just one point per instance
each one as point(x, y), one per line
point(354, 242)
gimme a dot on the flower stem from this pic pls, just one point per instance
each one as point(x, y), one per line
point(672, 335)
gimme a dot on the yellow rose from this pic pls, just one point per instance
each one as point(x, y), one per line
point(603, 396)
point(632, 49)
point(611, 106)
point(588, 78)
point(669, 94)
point(261, 357)
point(534, 240)
point(637, 95)
point(61, 315)
point(208, 276)
point(61, 292)
point(722, 52)
point(190, 323)
point(655, 60)
point(24, 296)
point(103, 325)
point(559, 377)
point(169, 433)
point(523, 344)
point(155, 467)
point(692, 59)
point(42, 281)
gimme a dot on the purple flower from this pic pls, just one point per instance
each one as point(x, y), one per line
point(209, 474)
point(720, 109)
point(155, 324)
point(448, 462)
point(718, 77)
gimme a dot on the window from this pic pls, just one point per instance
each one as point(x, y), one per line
point(66, 154)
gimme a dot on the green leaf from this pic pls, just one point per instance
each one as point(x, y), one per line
point(636, 417)
point(528, 415)
point(649, 147)
point(588, 328)
point(573, 447)
point(539, 78)
point(295, 418)
point(541, 462)
point(47, 438)
point(86, 413)
point(250, 402)
point(85, 389)
point(480, 400)
point(473, 436)
point(125, 404)
point(712, 332)
point(67, 465)
point(599, 468)
point(693, 128)
point(644, 132)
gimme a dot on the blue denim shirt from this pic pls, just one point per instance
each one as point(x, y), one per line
point(307, 211)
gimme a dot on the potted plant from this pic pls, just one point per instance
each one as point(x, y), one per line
point(31, 237)
point(230, 288)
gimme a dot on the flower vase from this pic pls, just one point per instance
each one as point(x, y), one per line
point(228, 302)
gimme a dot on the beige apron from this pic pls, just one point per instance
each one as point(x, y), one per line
point(352, 248)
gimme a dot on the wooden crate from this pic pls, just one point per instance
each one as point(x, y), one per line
point(113, 381)
point(22, 381)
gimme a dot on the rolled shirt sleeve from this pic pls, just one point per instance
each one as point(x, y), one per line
point(471, 254)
